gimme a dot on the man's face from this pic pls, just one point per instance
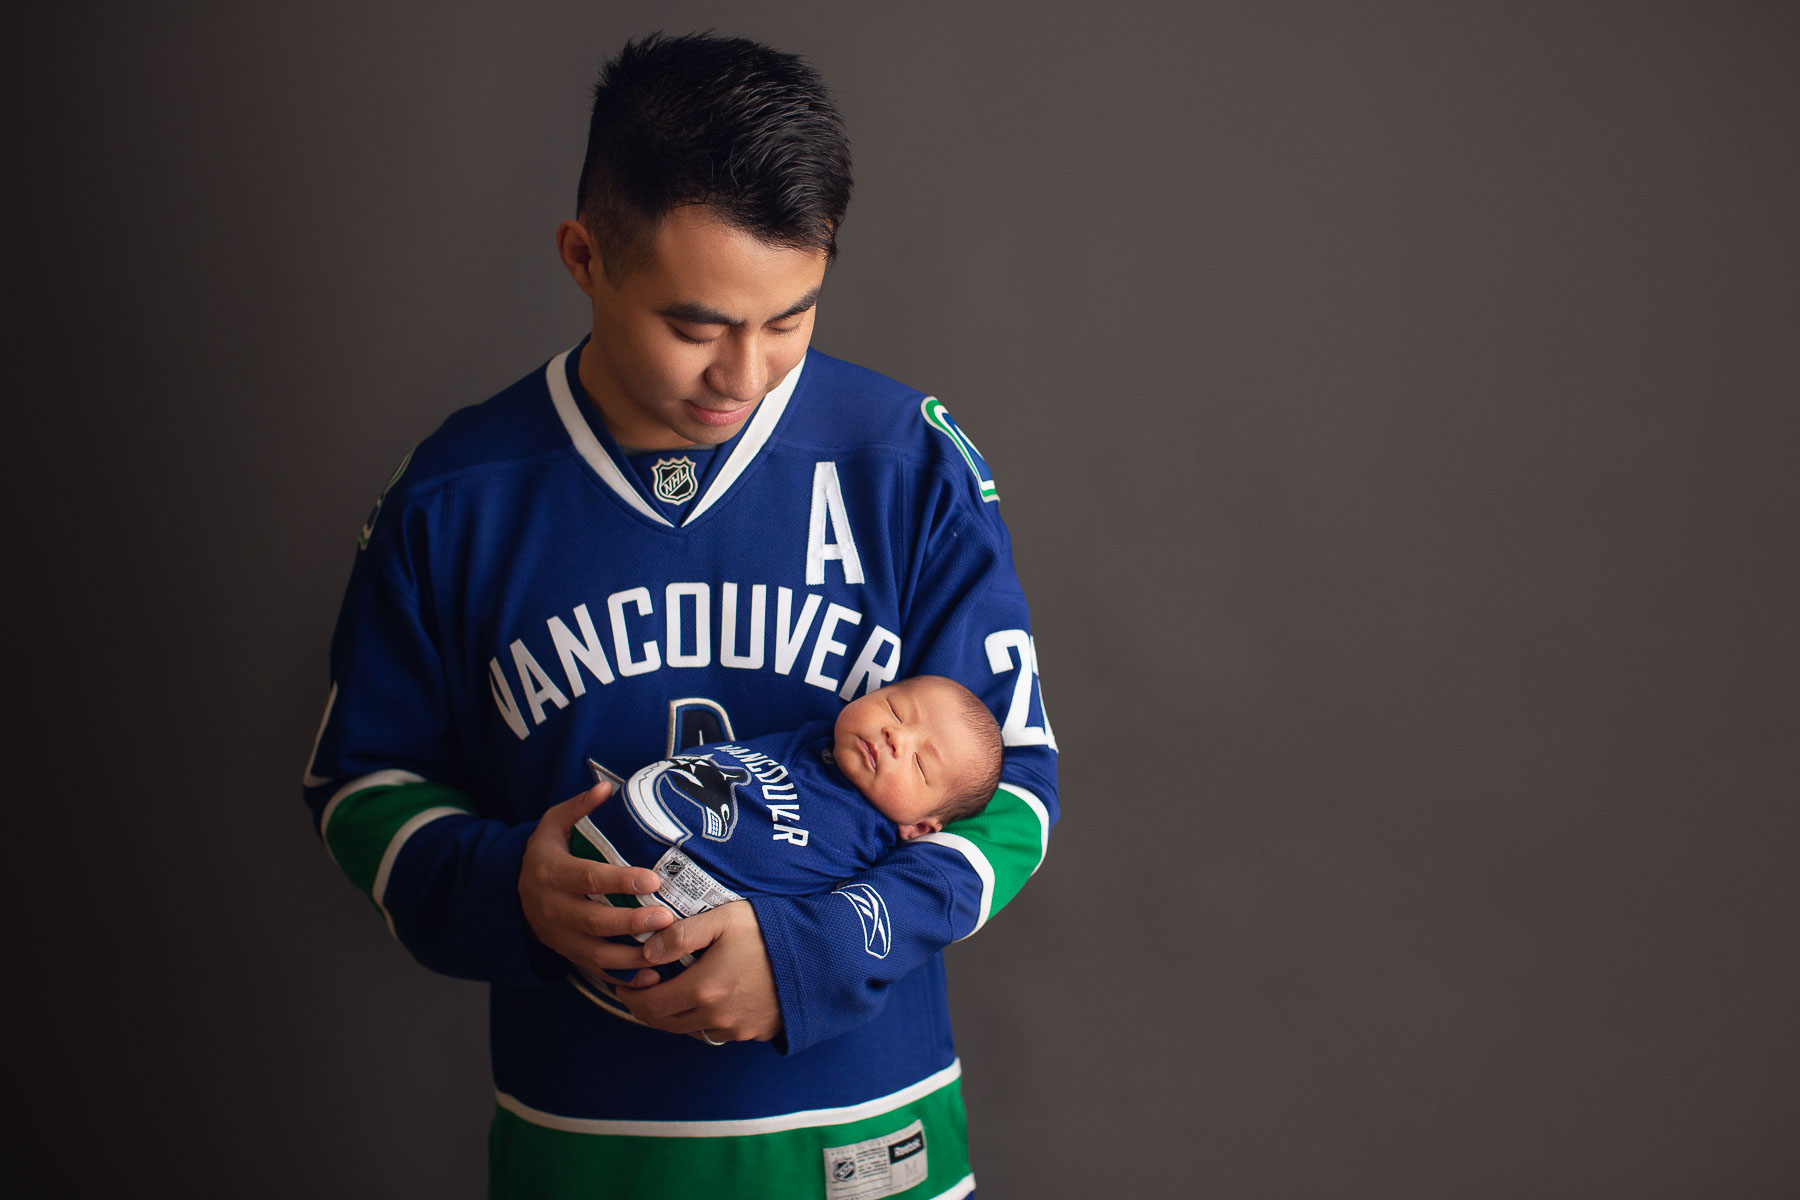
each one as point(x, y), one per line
point(905, 747)
point(687, 345)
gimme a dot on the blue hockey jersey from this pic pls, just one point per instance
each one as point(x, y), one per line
point(524, 602)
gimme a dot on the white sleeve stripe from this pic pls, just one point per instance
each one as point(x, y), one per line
point(309, 779)
point(378, 779)
point(379, 890)
point(1043, 816)
point(979, 862)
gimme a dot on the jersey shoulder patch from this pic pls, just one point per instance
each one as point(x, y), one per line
point(368, 529)
point(939, 418)
point(843, 409)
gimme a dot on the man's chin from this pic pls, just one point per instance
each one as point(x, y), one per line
point(709, 427)
point(713, 437)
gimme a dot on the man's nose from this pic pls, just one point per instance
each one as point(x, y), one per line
point(740, 372)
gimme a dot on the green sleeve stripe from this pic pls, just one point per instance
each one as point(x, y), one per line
point(1041, 816)
point(546, 1157)
point(1005, 844)
point(345, 794)
point(369, 819)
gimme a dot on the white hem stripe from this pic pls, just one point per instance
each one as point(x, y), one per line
point(957, 1190)
point(743, 1127)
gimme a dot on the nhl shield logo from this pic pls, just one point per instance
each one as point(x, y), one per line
point(676, 482)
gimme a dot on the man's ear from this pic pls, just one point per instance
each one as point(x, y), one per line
point(580, 255)
point(920, 828)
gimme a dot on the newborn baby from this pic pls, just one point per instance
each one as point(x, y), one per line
point(796, 813)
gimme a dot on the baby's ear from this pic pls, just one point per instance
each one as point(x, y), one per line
point(920, 828)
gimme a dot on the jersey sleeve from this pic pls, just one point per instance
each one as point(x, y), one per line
point(835, 954)
point(387, 791)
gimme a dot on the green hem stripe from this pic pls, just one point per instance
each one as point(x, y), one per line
point(530, 1161)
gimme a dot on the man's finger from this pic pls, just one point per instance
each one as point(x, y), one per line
point(643, 979)
point(599, 954)
point(688, 936)
point(666, 1006)
point(594, 919)
point(562, 817)
point(729, 991)
point(586, 877)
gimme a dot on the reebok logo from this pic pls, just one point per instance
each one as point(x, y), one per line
point(906, 1149)
point(872, 911)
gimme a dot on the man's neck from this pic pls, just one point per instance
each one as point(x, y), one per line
point(633, 451)
point(592, 378)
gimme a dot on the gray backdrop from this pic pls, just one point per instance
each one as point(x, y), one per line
point(1393, 406)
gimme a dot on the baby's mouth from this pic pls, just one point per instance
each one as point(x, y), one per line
point(869, 753)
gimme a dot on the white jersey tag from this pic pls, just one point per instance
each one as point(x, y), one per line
point(878, 1167)
point(690, 889)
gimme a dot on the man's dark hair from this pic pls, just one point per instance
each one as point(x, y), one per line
point(976, 780)
point(725, 122)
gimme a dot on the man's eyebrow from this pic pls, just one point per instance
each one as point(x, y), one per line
point(801, 305)
point(695, 313)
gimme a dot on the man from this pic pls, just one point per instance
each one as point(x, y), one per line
point(688, 527)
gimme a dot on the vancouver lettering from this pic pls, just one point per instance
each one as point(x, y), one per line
point(778, 793)
point(686, 625)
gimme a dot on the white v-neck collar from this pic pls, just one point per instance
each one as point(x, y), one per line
point(762, 423)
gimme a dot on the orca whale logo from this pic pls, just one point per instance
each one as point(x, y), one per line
point(658, 797)
point(708, 787)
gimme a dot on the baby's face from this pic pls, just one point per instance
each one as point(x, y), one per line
point(904, 746)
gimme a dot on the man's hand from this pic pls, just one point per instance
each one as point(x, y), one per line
point(729, 993)
point(554, 886)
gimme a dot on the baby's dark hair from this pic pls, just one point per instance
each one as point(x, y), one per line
point(977, 778)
